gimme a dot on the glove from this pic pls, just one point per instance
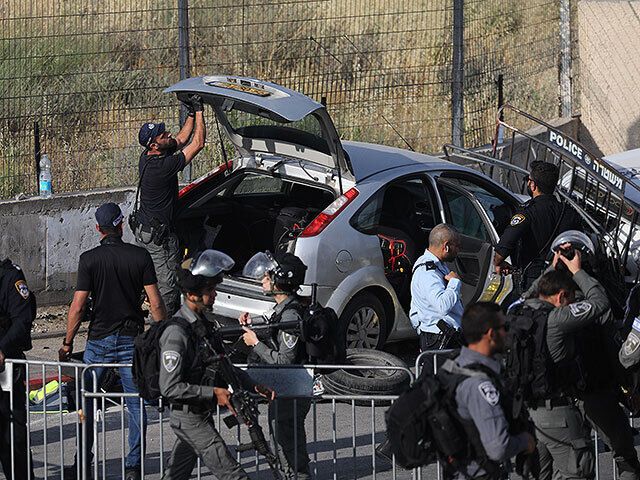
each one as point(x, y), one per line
point(189, 107)
point(196, 102)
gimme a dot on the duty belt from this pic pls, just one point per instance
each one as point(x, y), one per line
point(186, 408)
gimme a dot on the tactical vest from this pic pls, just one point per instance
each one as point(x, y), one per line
point(274, 336)
point(475, 449)
point(203, 370)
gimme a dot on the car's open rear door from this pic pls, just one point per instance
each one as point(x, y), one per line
point(608, 202)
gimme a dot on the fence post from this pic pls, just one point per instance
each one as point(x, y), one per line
point(565, 59)
point(184, 63)
point(457, 80)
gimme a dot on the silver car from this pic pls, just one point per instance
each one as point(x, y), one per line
point(357, 214)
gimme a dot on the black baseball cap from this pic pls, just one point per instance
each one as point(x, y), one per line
point(149, 131)
point(109, 215)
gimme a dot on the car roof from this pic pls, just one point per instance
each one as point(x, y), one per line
point(368, 159)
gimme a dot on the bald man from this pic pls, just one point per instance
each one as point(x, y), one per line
point(435, 289)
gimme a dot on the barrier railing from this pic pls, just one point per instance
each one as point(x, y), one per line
point(437, 359)
point(342, 430)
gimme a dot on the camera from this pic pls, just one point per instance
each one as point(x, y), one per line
point(567, 253)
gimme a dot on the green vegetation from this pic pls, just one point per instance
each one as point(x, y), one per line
point(91, 72)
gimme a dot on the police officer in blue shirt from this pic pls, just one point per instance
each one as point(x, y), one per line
point(435, 289)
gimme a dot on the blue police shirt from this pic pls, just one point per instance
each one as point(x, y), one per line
point(432, 298)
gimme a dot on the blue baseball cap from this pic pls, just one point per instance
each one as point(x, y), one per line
point(149, 131)
point(109, 215)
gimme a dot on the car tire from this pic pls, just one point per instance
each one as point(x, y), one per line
point(368, 382)
point(363, 322)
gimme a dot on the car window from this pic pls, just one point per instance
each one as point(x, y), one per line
point(498, 211)
point(462, 214)
point(403, 205)
point(254, 183)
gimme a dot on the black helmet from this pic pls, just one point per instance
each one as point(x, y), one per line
point(291, 271)
point(205, 268)
point(285, 269)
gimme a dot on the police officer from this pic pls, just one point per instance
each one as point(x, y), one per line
point(153, 221)
point(281, 276)
point(535, 226)
point(182, 375)
point(114, 274)
point(483, 406)
point(564, 439)
point(587, 321)
point(435, 289)
point(17, 311)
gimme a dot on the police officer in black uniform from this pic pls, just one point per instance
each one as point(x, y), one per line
point(281, 276)
point(188, 382)
point(17, 311)
point(530, 231)
point(164, 156)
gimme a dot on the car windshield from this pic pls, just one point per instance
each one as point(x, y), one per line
point(306, 132)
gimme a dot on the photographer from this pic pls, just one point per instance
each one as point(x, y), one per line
point(583, 325)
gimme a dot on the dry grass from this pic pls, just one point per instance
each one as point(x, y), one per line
point(91, 72)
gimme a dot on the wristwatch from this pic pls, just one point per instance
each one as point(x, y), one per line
point(65, 344)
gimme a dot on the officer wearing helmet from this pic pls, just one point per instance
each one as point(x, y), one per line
point(183, 374)
point(281, 276)
point(578, 327)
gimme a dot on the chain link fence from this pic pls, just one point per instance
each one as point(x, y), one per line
point(79, 77)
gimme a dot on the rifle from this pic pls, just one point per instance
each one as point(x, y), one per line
point(246, 407)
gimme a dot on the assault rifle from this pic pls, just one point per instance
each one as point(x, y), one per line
point(246, 407)
point(317, 329)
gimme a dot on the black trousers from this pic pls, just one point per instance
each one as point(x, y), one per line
point(602, 409)
point(17, 415)
point(433, 341)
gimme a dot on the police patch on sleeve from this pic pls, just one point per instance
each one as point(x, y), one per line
point(580, 308)
point(489, 393)
point(289, 340)
point(630, 345)
point(23, 290)
point(517, 219)
point(170, 360)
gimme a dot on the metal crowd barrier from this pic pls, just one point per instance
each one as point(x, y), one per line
point(438, 356)
point(342, 430)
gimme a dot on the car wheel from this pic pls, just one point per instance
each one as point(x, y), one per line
point(367, 381)
point(363, 322)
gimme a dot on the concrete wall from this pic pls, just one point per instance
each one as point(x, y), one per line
point(609, 82)
point(46, 237)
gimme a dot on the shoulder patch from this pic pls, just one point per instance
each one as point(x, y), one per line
point(631, 344)
point(517, 219)
point(580, 308)
point(289, 340)
point(489, 392)
point(23, 290)
point(170, 360)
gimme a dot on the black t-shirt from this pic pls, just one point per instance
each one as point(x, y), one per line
point(115, 273)
point(542, 219)
point(159, 187)
point(17, 311)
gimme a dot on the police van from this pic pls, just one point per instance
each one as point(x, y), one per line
point(604, 190)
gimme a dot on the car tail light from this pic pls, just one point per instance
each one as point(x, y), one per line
point(328, 214)
point(223, 167)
